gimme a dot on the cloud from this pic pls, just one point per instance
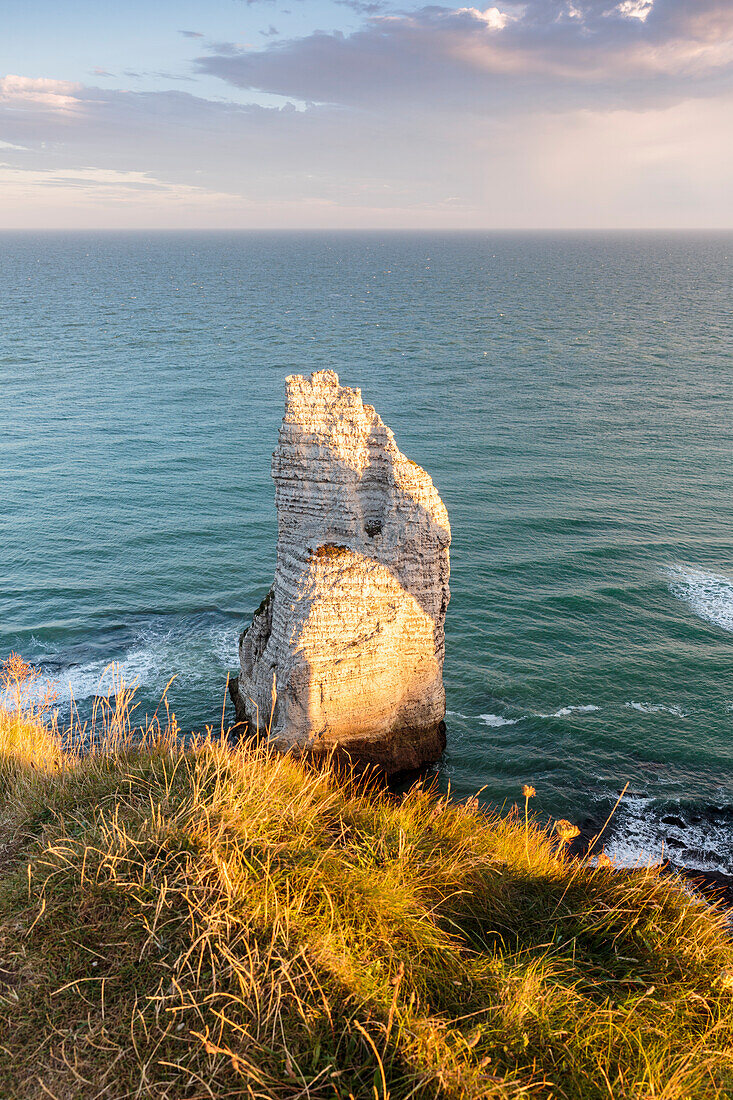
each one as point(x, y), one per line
point(104, 183)
point(247, 149)
point(587, 53)
point(492, 17)
point(362, 7)
point(173, 77)
point(227, 49)
point(175, 159)
point(93, 196)
point(23, 92)
point(192, 34)
point(161, 74)
point(635, 9)
point(546, 113)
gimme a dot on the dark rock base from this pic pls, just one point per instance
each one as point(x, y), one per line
point(404, 750)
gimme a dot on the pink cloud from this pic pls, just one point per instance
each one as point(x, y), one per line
point(22, 91)
point(581, 54)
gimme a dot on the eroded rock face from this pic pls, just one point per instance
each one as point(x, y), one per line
point(352, 633)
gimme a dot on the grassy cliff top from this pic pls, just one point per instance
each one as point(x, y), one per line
point(209, 922)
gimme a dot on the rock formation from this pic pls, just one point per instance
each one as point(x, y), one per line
point(346, 652)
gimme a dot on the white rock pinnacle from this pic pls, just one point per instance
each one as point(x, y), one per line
point(352, 633)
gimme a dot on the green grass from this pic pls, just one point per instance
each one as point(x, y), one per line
point(192, 922)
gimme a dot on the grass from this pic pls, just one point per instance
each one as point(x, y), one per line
point(201, 921)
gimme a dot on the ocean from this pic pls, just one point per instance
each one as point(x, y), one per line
point(570, 395)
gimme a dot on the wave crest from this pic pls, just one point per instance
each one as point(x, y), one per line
point(657, 708)
point(193, 655)
point(708, 595)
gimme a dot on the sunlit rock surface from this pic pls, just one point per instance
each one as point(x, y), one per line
point(351, 637)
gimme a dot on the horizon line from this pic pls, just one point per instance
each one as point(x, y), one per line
point(365, 229)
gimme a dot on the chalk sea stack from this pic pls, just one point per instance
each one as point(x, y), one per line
point(351, 636)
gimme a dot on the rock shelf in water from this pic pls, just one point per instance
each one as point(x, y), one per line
point(346, 652)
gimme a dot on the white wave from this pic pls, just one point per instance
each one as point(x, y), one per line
point(564, 712)
point(153, 657)
point(657, 708)
point(641, 836)
point(487, 719)
point(709, 595)
point(225, 644)
point(79, 682)
point(496, 720)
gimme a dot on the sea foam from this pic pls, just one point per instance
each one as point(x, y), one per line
point(150, 660)
point(643, 833)
point(565, 712)
point(709, 595)
point(496, 720)
point(657, 708)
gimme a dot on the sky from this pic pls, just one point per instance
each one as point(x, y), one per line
point(546, 114)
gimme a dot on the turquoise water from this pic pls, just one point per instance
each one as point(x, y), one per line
point(571, 396)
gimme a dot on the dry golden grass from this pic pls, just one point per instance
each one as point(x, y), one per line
point(26, 743)
point(202, 921)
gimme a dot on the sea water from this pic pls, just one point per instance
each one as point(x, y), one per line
point(570, 395)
